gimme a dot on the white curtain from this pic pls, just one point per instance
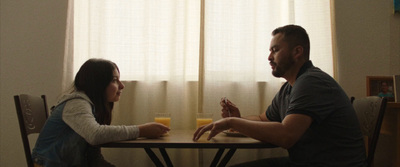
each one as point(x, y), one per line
point(172, 61)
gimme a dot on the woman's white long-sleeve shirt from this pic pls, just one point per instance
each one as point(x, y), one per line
point(78, 115)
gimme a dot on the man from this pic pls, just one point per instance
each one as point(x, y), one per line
point(311, 115)
point(385, 90)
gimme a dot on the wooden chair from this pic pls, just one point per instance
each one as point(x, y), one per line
point(32, 114)
point(370, 111)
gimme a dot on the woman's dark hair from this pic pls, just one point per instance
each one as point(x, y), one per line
point(295, 35)
point(93, 78)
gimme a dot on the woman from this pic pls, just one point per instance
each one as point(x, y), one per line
point(82, 120)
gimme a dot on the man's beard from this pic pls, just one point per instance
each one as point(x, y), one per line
point(282, 68)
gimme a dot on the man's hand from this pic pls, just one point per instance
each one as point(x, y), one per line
point(228, 108)
point(214, 128)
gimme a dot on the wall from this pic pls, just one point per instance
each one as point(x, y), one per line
point(32, 46)
point(31, 53)
point(368, 42)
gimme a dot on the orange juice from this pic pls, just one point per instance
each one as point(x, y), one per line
point(163, 120)
point(203, 121)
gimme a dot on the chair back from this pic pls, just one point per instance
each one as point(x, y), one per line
point(370, 111)
point(32, 114)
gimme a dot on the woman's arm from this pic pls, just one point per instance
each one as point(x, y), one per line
point(78, 115)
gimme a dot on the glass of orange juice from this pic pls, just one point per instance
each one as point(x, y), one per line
point(203, 119)
point(163, 118)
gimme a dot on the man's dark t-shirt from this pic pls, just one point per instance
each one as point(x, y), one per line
point(334, 138)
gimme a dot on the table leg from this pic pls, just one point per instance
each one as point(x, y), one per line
point(153, 157)
point(217, 157)
point(227, 157)
point(224, 160)
point(166, 157)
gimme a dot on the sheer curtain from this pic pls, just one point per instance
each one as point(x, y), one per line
point(173, 61)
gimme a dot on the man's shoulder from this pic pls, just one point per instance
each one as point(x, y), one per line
point(315, 73)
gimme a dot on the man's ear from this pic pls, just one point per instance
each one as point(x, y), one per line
point(298, 52)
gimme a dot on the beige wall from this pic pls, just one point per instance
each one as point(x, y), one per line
point(32, 45)
point(368, 42)
point(31, 53)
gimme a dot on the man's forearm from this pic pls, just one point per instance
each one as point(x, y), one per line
point(261, 117)
point(252, 117)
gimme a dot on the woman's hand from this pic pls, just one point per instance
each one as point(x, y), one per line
point(228, 108)
point(152, 130)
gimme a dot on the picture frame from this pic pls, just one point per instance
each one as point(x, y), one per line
point(381, 86)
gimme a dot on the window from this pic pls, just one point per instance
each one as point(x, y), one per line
point(159, 40)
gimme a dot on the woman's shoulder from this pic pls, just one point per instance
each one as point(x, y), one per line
point(76, 101)
point(76, 97)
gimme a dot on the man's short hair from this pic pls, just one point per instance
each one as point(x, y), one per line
point(295, 35)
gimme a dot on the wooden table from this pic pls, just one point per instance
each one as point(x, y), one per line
point(183, 139)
